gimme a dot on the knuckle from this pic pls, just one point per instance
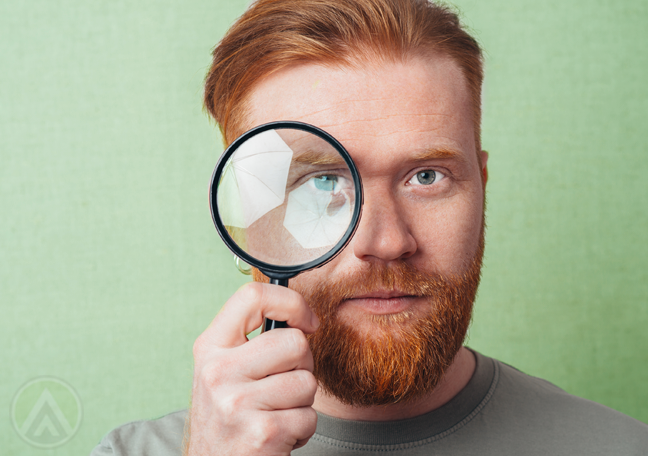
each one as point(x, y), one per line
point(299, 342)
point(216, 372)
point(310, 418)
point(252, 292)
point(199, 347)
point(210, 376)
point(230, 405)
point(267, 430)
point(308, 382)
point(274, 340)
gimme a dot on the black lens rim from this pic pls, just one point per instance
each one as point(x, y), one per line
point(271, 270)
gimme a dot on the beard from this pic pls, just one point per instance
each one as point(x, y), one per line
point(405, 355)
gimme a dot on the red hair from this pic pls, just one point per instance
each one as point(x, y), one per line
point(273, 34)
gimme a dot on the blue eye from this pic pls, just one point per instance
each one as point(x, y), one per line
point(326, 183)
point(426, 177)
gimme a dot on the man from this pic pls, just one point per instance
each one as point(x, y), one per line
point(373, 360)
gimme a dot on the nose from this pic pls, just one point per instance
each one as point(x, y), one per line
point(383, 233)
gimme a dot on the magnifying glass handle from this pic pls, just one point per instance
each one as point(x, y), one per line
point(273, 324)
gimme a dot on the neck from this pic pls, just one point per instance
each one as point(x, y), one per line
point(455, 379)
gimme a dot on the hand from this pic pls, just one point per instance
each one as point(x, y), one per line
point(254, 397)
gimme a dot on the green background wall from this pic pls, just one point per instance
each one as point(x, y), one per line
point(110, 266)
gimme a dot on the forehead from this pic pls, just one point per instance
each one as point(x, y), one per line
point(389, 106)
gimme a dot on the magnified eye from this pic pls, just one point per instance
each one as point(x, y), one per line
point(426, 177)
point(326, 182)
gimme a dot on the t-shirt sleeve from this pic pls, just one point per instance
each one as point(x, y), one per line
point(161, 437)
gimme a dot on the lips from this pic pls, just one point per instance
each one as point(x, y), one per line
point(383, 302)
point(382, 295)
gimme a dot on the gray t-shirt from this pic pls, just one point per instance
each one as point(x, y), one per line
point(500, 412)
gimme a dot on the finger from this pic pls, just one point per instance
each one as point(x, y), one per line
point(273, 352)
point(284, 391)
point(245, 310)
point(287, 429)
point(270, 353)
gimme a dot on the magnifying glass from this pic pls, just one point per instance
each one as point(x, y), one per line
point(285, 197)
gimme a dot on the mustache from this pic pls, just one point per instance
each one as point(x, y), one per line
point(398, 276)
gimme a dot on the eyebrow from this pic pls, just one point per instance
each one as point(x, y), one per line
point(439, 153)
point(317, 158)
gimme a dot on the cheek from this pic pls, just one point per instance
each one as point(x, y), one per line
point(307, 283)
point(447, 234)
point(314, 279)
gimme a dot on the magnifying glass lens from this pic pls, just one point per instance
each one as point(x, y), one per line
point(286, 197)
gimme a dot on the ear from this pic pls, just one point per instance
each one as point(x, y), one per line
point(483, 156)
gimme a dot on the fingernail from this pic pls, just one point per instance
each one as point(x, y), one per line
point(314, 321)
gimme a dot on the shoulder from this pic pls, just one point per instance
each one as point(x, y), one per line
point(159, 437)
point(545, 415)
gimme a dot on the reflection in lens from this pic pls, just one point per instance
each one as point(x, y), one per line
point(325, 183)
point(286, 196)
point(317, 218)
point(254, 179)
